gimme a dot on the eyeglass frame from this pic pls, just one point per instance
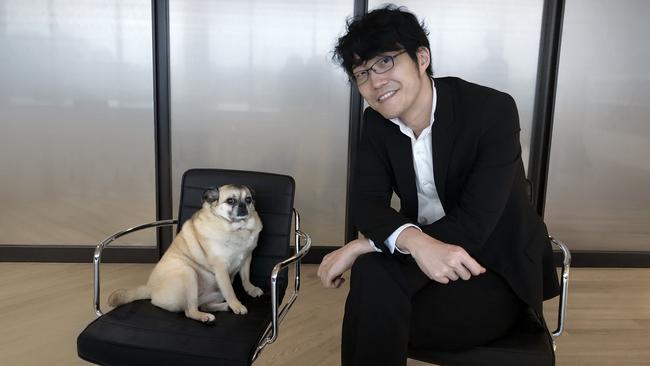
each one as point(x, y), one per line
point(354, 79)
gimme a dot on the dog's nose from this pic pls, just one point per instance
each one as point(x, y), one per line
point(242, 210)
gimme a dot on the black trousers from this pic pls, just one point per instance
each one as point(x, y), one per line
point(393, 305)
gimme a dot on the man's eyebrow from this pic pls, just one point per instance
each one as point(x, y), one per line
point(360, 63)
point(357, 63)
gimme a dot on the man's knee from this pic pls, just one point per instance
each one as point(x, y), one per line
point(367, 266)
point(377, 273)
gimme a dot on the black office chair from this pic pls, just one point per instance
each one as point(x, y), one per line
point(530, 343)
point(142, 334)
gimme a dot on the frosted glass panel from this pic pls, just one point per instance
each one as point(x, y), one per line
point(493, 43)
point(254, 88)
point(598, 191)
point(76, 112)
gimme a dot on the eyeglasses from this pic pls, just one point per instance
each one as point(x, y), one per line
point(380, 66)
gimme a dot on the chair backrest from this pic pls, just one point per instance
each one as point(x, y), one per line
point(273, 195)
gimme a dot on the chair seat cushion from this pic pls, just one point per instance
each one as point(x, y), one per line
point(140, 333)
point(529, 344)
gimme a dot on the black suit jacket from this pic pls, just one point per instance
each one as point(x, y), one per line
point(480, 180)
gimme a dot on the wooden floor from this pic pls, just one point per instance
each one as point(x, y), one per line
point(43, 307)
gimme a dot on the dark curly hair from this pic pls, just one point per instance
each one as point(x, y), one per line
point(389, 28)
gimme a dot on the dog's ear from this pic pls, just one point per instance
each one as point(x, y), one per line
point(252, 193)
point(211, 195)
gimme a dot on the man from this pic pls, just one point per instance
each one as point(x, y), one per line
point(466, 254)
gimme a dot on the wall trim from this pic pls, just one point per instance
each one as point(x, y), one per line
point(609, 259)
point(141, 254)
point(77, 254)
point(579, 258)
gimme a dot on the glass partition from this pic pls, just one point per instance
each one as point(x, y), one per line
point(598, 196)
point(76, 109)
point(253, 88)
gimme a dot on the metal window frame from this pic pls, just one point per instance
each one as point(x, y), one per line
point(162, 119)
point(354, 135)
point(545, 91)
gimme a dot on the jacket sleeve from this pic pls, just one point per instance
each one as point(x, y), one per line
point(373, 188)
point(470, 220)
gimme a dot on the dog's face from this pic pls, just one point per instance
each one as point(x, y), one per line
point(232, 202)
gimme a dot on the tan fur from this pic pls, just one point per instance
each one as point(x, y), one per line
point(198, 268)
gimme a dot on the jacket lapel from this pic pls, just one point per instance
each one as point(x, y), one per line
point(442, 134)
point(402, 162)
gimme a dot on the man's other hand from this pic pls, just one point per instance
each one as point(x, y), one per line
point(337, 262)
point(441, 262)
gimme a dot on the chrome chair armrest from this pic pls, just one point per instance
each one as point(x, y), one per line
point(564, 287)
point(100, 247)
point(271, 333)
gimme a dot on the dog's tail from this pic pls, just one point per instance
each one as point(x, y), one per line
point(122, 296)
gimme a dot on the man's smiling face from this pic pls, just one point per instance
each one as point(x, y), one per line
point(393, 93)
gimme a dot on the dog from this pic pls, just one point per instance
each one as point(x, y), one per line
point(197, 270)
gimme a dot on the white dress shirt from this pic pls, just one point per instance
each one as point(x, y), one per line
point(429, 206)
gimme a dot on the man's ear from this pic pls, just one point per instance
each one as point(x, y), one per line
point(424, 58)
point(211, 195)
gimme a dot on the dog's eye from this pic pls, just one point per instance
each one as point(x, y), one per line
point(230, 201)
point(249, 200)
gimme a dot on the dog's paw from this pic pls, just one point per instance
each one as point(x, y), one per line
point(205, 318)
point(238, 308)
point(208, 319)
point(115, 299)
point(254, 291)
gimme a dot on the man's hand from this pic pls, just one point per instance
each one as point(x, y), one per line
point(334, 264)
point(441, 262)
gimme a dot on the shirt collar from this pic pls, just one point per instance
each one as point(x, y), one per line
point(407, 130)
